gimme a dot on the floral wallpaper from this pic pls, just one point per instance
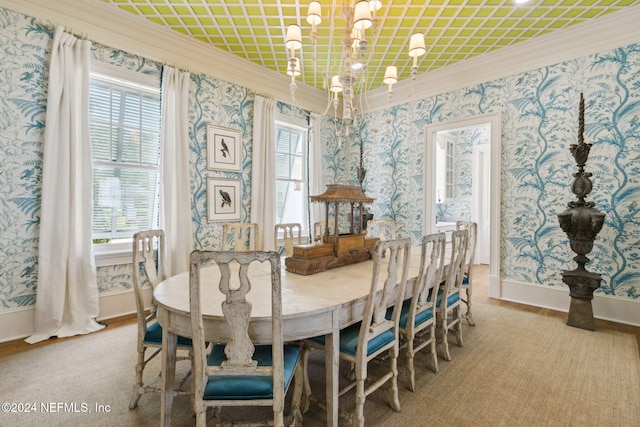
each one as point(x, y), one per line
point(540, 120)
point(459, 209)
point(539, 110)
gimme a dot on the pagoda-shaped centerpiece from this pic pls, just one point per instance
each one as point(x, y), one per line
point(336, 249)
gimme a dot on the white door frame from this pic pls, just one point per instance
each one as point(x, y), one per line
point(429, 219)
point(481, 202)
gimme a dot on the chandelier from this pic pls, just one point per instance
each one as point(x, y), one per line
point(359, 16)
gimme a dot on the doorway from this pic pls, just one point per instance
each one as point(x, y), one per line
point(483, 206)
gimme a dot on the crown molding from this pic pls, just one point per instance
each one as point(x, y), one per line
point(102, 23)
point(598, 35)
point(112, 27)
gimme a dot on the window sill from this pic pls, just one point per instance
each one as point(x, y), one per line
point(106, 255)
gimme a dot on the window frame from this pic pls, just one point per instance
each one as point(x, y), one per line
point(120, 252)
point(288, 121)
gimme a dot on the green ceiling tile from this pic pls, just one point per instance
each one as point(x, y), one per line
point(234, 10)
point(174, 22)
point(572, 13)
point(253, 11)
point(513, 33)
point(449, 11)
point(182, 10)
point(129, 9)
point(157, 20)
point(164, 10)
point(145, 10)
point(543, 23)
point(440, 23)
point(501, 12)
point(412, 12)
point(199, 10)
point(536, 13)
point(589, 14)
point(431, 12)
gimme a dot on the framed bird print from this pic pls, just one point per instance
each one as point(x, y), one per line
point(224, 199)
point(224, 149)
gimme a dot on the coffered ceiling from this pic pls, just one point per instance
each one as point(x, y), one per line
point(455, 30)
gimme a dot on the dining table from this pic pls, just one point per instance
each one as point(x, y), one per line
point(319, 304)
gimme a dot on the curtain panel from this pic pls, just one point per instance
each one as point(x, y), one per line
point(67, 290)
point(175, 211)
point(263, 180)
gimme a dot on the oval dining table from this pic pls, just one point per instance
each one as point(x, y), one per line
point(313, 305)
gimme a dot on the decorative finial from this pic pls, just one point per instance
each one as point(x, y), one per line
point(581, 121)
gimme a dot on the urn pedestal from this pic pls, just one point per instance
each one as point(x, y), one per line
point(582, 222)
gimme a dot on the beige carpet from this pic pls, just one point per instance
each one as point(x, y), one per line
point(515, 369)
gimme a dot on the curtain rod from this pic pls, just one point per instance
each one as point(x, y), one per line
point(84, 36)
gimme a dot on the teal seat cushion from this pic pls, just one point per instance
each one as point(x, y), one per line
point(349, 340)
point(452, 298)
point(246, 387)
point(154, 336)
point(404, 314)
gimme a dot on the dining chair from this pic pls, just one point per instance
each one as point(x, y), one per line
point(319, 229)
point(240, 237)
point(448, 313)
point(148, 267)
point(467, 280)
point(418, 315)
point(375, 334)
point(385, 229)
point(240, 372)
point(289, 232)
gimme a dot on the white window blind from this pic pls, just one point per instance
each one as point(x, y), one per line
point(124, 117)
point(291, 194)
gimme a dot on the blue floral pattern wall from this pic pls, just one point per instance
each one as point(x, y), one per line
point(540, 120)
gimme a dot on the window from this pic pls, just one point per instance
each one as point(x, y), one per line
point(124, 125)
point(444, 167)
point(291, 188)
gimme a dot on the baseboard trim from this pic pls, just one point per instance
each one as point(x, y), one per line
point(605, 307)
point(19, 323)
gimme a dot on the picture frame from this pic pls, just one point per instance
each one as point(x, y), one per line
point(224, 149)
point(224, 199)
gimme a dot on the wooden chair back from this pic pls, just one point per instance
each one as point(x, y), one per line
point(387, 289)
point(240, 237)
point(432, 268)
point(239, 350)
point(148, 260)
point(320, 230)
point(472, 228)
point(289, 233)
point(454, 272)
point(385, 229)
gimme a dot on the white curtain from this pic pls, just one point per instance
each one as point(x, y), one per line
point(67, 293)
point(263, 181)
point(315, 173)
point(175, 214)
